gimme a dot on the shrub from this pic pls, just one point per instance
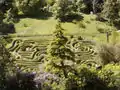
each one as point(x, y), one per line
point(81, 25)
point(21, 81)
point(109, 53)
point(5, 40)
point(100, 30)
point(6, 65)
point(110, 75)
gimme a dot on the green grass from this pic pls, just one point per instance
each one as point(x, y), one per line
point(34, 26)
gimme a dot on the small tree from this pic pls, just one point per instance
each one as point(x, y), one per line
point(60, 58)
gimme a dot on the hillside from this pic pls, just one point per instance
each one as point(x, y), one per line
point(87, 28)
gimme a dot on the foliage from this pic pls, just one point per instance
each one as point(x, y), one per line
point(11, 15)
point(109, 53)
point(111, 10)
point(21, 81)
point(84, 6)
point(5, 40)
point(110, 74)
point(90, 77)
point(5, 5)
point(6, 65)
point(63, 9)
point(50, 2)
point(29, 7)
point(59, 56)
point(8, 10)
point(97, 5)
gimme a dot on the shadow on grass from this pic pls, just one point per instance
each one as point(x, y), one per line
point(38, 15)
point(7, 28)
point(70, 18)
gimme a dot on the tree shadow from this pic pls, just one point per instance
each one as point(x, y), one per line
point(7, 28)
point(42, 15)
point(70, 18)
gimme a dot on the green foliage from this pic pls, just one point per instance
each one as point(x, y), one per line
point(5, 40)
point(111, 10)
point(29, 7)
point(5, 65)
point(82, 7)
point(109, 53)
point(63, 9)
point(89, 78)
point(110, 74)
point(59, 56)
point(50, 2)
point(97, 5)
point(10, 16)
point(8, 10)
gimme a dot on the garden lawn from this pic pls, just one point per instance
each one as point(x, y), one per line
point(87, 28)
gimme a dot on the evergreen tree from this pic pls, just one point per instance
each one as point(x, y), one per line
point(60, 58)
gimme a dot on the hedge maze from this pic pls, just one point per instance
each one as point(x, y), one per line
point(30, 54)
point(85, 51)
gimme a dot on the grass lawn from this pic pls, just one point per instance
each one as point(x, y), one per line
point(87, 28)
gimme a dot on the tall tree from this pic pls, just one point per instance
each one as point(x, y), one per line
point(111, 10)
point(97, 5)
point(65, 10)
point(60, 58)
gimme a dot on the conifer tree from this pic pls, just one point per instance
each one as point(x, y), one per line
point(60, 58)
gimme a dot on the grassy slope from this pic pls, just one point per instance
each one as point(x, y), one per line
point(37, 26)
point(30, 26)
